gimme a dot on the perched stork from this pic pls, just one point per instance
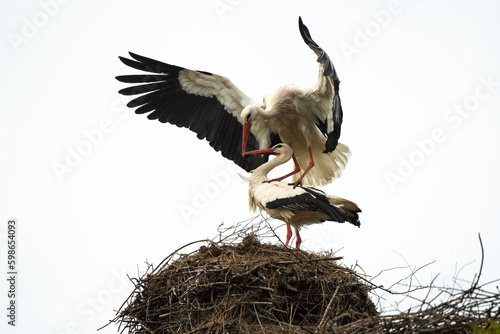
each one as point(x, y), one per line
point(295, 206)
point(309, 120)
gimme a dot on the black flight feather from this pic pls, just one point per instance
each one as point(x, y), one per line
point(333, 137)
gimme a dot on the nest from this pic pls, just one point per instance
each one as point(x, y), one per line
point(240, 285)
point(246, 288)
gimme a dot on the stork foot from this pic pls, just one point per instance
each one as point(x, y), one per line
point(273, 180)
point(296, 183)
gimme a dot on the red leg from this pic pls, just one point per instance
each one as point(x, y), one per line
point(288, 233)
point(311, 165)
point(299, 240)
point(296, 169)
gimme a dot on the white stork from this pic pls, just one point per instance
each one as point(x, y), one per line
point(295, 206)
point(309, 120)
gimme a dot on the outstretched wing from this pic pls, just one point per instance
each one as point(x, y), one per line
point(205, 103)
point(323, 98)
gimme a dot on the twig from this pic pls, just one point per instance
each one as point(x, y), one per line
point(476, 280)
point(328, 308)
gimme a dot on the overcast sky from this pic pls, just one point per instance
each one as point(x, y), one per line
point(97, 190)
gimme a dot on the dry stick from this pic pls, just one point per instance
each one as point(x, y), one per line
point(476, 281)
point(178, 249)
point(328, 308)
point(237, 229)
point(410, 276)
point(429, 303)
point(258, 318)
point(384, 270)
point(270, 227)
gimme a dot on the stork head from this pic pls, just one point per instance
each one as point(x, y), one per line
point(252, 113)
point(249, 114)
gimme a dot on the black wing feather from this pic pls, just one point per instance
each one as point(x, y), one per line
point(313, 200)
point(333, 137)
point(137, 78)
point(161, 94)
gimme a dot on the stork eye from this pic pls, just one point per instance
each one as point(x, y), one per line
point(278, 146)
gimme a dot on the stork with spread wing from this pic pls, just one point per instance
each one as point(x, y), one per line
point(309, 120)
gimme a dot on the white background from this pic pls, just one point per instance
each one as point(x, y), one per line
point(142, 189)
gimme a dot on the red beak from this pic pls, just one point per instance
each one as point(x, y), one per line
point(263, 151)
point(244, 138)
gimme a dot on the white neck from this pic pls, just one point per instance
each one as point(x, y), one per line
point(260, 174)
point(270, 113)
